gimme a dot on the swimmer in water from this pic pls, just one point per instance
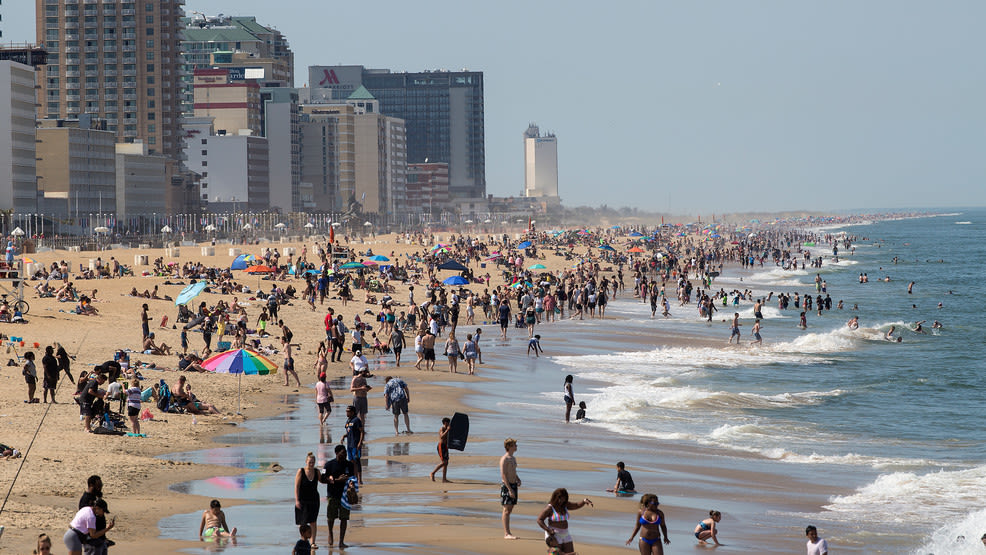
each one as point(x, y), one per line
point(918, 328)
point(853, 323)
point(936, 326)
point(910, 288)
point(890, 333)
point(804, 322)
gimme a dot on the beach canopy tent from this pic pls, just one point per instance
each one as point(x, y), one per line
point(242, 262)
point(452, 265)
point(190, 292)
point(456, 280)
point(239, 362)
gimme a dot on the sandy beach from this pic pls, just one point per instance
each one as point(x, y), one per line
point(138, 479)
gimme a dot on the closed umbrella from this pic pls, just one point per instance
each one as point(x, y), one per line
point(190, 292)
point(239, 362)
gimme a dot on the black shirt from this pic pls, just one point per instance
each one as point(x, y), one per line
point(89, 392)
point(626, 482)
point(337, 469)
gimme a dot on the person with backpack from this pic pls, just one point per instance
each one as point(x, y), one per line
point(336, 474)
point(396, 397)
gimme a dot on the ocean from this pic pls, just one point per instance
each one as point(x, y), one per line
point(878, 443)
point(900, 424)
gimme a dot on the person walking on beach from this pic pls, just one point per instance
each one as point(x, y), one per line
point(452, 352)
point(323, 398)
point(396, 397)
point(653, 524)
point(306, 498)
point(428, 350)
point(355, 436)
point(397, 343)
point(569, 397)
point(816, 545)
point(145, 327)
point(443, 454)
point(503, 316)
point(335, 474)
point(509, 484)
point(734, 330)
point(707, 528)
point(554, 519)
point(757, 340)
point(360, 388)
point(49, 367)
point(470, 352)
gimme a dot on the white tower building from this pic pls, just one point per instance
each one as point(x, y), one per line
point(540, 163)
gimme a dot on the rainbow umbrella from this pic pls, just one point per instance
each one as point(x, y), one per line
point(239, 362)
point(29, 260)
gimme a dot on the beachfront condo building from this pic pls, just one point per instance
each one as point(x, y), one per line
point(442, 110)
point(118, 60)
point(238, 43)
point(540, 163)
point(76, 168)
point(351, 153)
point(18, 186)
point(233, 167)
point(140, 178)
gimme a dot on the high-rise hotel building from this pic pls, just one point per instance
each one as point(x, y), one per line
point(117, 60)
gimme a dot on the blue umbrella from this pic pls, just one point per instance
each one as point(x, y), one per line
point(190, 292)
point(606, 248)
point(524, 245)
point(379, 258)
point(456, 280)
point(636, 234)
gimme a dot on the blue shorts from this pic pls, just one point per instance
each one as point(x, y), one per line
point(353, 453)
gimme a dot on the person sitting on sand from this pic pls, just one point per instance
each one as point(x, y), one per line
point(187, 400)
point(624, 482)
point(4, 312)
point(213, 523)
point(8, 452)
point(151, 349)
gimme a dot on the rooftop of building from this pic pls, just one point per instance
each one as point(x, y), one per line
point(361, 94)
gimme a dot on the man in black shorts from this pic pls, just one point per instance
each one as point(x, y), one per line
point(503, 315)
point(89, 395)
point(337, 472)
point(428, 350)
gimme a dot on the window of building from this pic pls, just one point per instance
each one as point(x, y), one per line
point(150, 56)
point(205, 152)
point(205, 174)
point(149, 19)
point(151, 115)
point(150, 92)
point(152, 128)
point(149, 44)
point(149, 31)
point(205, 141)
point(150, 67)
point(151, 140)
point(150, 79)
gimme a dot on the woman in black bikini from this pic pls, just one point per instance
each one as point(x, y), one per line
point(654, 525)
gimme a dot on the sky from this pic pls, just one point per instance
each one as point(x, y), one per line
point(686, 107)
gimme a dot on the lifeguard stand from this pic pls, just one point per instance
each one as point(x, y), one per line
point(12, 285)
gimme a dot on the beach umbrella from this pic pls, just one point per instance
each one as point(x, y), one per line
point(259, 269)
point(636, 234)
point(166, 229)
point(242, 262)
point(369, 263)
point(456, 280)
point(467, 222)
point(100, 229)
point(487, 221)
point(606, 248)
point(247, 227)
point(309, 225)
point(239, 362)
point(29, 260)
point(524, 245)
point(210, 227)
point(336, 224)
point(438, 247)
point(367, 224)
point(522, 284)
point(17, 231)
point(536, 267)
point(190, 292)
point(452, 265)
point(614, 227)
point(635, 249)
point(379, 258)
point(280, 225)
point(351, 266)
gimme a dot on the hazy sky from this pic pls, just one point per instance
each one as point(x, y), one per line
point(687, 106)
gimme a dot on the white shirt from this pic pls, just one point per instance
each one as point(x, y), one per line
point(84, 520)
point(820, 548)
point(359, 363)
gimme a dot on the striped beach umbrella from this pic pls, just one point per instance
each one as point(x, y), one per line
point(239, 362)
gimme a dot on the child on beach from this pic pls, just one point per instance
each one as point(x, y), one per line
point(443, 455)
point(303, 547)
point(580, 414)
point(706, 529)
point(624, 482)
point(30, 373)
point(534, 343)
point(213, 524)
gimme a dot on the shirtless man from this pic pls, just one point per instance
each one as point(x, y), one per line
point(509, 484)
point(757, 340)
point(734, 329)
point(428, 344)
point(213, 523)
point(151, 349)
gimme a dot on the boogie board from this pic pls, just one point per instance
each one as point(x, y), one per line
point(458, 431)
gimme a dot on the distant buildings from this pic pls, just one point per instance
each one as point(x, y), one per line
point(18, 185)
point(234, 169)
point(76, 167)
point(427, 188)
point(443, 113)
point(540, 163)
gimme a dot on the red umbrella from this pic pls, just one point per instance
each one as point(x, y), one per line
point(259, 270)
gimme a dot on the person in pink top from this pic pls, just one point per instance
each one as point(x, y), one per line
point(83, 527)
point(323, 398)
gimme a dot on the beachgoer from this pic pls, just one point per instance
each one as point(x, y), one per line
point(83, 527)
point(336, 473)
point(396, 344)
point(890, 334)
point(358, 363)
point(360, 388)
point(443, 454)
point(303, 546)
point(30, 373)
point(134, 393)
point(213, 524)
point(323, 398)
point(470, 352)
point(50, 371)
point(90, 393)
point(428, 350)
point(554, 518)
point(707, 528)
point(734, 330)
point(44, 545)
point(569, 397)
point(818, 546)
point(306, 498)
point(757, 339)
point(580, 414)
point(396, 397)
point(509, 484)
point(535, 344)
point(624, 482)
point(355, 437)
point(651, 524)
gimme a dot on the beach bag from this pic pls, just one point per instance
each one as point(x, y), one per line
point(352, 492)
point(164, 397)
